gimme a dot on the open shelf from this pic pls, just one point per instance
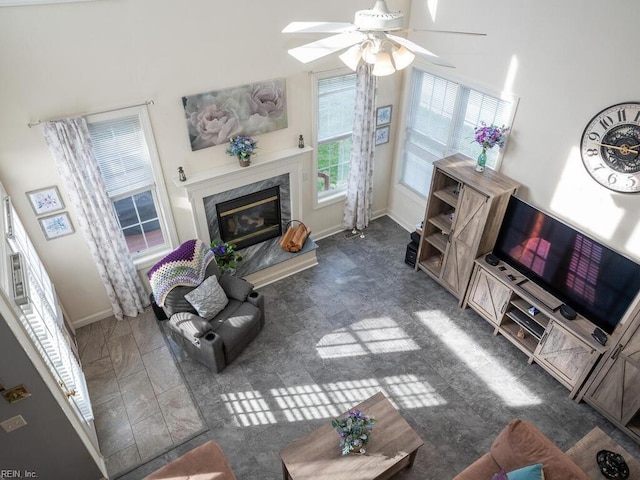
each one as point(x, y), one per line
point(438, 240)
point(510, 330)
point(433, 264)
point(442, 222)
point(448, 194)
point(524, 306)
point(525, 322)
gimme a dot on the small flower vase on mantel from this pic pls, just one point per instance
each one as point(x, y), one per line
point(244, 161)
point(482, 160)
point(242, 147)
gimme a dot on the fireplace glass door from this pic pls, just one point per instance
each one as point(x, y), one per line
point(250, 219)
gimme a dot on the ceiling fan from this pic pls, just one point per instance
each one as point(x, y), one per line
point(368, 38)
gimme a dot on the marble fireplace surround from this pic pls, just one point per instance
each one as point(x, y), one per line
point(265, 262)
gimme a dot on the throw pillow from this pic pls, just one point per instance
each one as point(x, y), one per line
point(235, 287)
point(531, 472)
point(208, 299)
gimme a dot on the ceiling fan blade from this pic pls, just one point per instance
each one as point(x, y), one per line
point(415, 48)
point(318, 27)
point(315, 50)
point(454, 32)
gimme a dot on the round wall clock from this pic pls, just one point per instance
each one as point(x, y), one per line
point(610, 147)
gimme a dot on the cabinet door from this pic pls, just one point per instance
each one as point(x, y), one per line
point(488, 296)
point(565, 355)
point(463, 240)
point(617, 391)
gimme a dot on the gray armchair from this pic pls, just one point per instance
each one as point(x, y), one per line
point(220, 340)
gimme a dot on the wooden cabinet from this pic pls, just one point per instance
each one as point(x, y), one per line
point(614, 388)
point(566, 356)
point(565, 349)
point(464, 212)
point(489, 297)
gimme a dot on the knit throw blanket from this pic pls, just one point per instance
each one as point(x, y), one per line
point(185, 266)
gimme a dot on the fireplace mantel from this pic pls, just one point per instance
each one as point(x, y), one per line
point(197, 179)
point(264, 169)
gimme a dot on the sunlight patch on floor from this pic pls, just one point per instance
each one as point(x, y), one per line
point(369, 336)
point(480, 361)
point(248, 408)
point(324, 401)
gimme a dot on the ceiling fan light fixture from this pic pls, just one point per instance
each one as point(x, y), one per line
point(369, 52)
point(383, 65)
point(352, 56)
point(402, 57)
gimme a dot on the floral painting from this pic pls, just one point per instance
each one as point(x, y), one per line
point(45, 200)
point(214, 117)
point(55, 226)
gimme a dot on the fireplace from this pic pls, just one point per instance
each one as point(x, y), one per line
point(250, 219)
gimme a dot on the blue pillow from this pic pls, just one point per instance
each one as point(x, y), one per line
point(532, 472)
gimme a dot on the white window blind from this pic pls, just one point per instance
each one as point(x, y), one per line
point(121, 152)
point(42, 319)
point(336, 106)
point(442, 119)
point(335, 111)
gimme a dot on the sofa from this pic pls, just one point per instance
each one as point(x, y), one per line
point(214, 320)
point(206, 462)
point(518, 445)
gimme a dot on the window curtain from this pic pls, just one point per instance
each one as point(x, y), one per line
point(357, 212)
point(70, 144)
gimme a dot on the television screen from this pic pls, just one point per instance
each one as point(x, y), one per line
point(597, 282)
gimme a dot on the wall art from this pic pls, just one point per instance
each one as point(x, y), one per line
point(214, 117)
point(45, 200)
point(57, 225)
point(382, 135)
point(383, 115)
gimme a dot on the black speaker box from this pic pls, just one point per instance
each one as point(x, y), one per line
point(567, 312)
point(412, 254)
point(491, 259)
point(415, 238)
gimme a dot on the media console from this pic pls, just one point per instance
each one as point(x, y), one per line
point(530, 318)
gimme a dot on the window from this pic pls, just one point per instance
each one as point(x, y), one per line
point(336, 97)
point(124, 149)
point(42, 317)
point(442, 117)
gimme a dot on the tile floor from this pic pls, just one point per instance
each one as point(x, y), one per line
point(359, 322)
point(141, 404)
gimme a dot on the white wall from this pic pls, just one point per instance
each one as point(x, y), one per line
point(67, 59)
point(571, 60)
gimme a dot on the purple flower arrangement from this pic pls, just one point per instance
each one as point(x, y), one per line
point(354, 430)
point(225, 254)
point(241, 146)
point(490, 136)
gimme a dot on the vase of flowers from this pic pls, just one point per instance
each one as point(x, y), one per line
point(488, 137)
point(226, 256)
point(355, 431)
point(242, 147)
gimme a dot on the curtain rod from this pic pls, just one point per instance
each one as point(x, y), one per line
point(38, 122)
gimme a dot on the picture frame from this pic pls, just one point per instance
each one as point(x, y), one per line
point(56, 226)
point(248, 110)
point(382, 135)
point(383, 115)
point(45, 200)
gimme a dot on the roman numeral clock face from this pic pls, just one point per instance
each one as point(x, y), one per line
point(610, 148)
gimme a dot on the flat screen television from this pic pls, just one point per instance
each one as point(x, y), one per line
point(594, 280)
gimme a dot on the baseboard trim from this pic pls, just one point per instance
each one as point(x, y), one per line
point(327, 232)
point(96, 317)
